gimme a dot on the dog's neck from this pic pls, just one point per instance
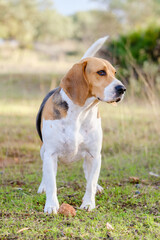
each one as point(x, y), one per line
point(90, 103)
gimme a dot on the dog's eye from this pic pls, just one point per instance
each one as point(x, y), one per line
point(102, 73)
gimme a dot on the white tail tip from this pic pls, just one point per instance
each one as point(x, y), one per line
point(95, 47)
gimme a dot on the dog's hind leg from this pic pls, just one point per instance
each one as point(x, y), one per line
point(49, 174)
point(86, 168)
point(91, 169)
point(42, 187)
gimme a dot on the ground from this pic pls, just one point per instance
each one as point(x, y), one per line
point(130, 149)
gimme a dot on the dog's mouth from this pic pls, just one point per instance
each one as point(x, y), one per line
point(115, 100)
point(119, 99)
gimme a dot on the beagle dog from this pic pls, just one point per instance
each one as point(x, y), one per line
point(69, 124)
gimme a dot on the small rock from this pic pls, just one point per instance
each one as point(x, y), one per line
point(109, 226)
point(20, 189)
point(137, 192)
point(67, 210)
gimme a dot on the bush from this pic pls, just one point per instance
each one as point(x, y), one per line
point(140, 46)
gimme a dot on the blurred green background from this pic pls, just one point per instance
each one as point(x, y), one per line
point(36, 39)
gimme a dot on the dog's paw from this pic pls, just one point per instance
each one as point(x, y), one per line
point(51, 208)
point(99, 189)
point(87, 205)
point(41, 188)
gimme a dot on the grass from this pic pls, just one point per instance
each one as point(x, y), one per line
point(130, 149)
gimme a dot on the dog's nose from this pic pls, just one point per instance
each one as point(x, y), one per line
point(120, 89)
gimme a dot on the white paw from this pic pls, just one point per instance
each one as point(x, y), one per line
point(99, 189)
point(88, 205)
point(51, 208)
point(41, 188)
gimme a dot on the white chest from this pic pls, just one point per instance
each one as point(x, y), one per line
point(74, 136)
point(71, 139)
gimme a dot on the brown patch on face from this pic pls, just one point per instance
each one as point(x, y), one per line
point(55, 108)
point(98, 83)
point(75, 84)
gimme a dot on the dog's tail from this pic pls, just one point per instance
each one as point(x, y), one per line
point(95, 47)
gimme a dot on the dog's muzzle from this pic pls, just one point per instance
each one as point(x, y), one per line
point(114, 92)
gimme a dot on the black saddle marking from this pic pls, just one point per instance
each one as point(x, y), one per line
point(39, 115)
point(59, 104)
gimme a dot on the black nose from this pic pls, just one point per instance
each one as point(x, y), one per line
point(120, 89)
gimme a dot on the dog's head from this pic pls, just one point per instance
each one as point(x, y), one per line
point(93, 77)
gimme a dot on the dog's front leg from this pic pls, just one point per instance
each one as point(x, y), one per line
point(49, 176)
point(93, 166)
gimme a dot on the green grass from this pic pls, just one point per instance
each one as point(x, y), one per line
point(130, 148)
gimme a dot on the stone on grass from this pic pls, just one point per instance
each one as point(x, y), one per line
point(67, 210)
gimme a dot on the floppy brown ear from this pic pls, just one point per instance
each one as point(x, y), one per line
point(75, 84)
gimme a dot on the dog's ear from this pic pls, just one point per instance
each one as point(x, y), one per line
point(75, 84)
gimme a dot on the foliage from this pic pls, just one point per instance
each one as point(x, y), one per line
point(134, 13)
point(30, 20)
point(94, 24)
point(16, 20)
point(52, 26)
point(143, 45)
